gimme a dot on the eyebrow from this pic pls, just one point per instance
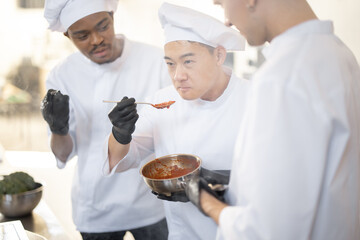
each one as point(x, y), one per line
point(182, 56)
point(97, 25)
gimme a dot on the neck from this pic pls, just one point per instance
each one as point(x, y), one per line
point(285, 14)
point(119, 47)
point(220, 86)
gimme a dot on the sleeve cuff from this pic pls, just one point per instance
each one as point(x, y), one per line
point(226, 222)
point(124, 164)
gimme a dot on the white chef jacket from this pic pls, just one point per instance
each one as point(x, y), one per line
point(296, 171)
point(122, 201)
point(207, 129)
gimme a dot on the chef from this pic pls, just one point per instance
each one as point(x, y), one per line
point(208, 109)
point(296, 171)
point(105, 67)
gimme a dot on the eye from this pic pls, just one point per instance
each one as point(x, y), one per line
point(170, 64)
point(187, 62)
point(104, 28)
point(82, 37)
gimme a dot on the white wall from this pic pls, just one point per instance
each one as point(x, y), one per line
point(15, 34)
point(24, 32)
point(346, 17)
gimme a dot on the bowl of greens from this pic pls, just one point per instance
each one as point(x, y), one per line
point(19, 194)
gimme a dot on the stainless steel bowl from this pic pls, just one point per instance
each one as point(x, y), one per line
point(21, 204)
point(169, 174)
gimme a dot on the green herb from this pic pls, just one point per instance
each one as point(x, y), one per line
point(17, 182)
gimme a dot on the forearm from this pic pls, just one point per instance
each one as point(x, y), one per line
point(116, 151)
point(61, 146)
point(211, 206)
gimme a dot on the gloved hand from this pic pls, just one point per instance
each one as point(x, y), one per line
point(212, 181)
point(123, 118)
point(215, 176)
point(207, 177)
point(55, 111)
point(193, 189)
point(175, 197)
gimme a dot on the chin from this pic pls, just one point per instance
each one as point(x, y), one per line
point(256, 44)
point(101, 61)
point(255, 41)
point(186, 97)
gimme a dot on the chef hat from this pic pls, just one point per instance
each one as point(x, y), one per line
point(181, 23)
point(61, 14)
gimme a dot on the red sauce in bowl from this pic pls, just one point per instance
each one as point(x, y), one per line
point(156, 169)
point(173, 172)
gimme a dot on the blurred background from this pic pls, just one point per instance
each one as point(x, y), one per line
point(28, 51)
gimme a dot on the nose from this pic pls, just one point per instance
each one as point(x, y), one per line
point(96, 38)
point(179, 74)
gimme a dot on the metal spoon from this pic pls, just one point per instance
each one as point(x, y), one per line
point(158, 106)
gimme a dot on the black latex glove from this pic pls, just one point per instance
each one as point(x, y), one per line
point(193, 189)
point(55, 110)
point(209, 177)
point(215, 176)
point(123, 118)
point(175, 197)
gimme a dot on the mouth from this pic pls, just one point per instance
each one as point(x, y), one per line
point(100, 52)
point(183, 88)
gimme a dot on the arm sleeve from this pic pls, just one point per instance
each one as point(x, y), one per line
point(141, 146)
point(279, 167)
point(54, 83)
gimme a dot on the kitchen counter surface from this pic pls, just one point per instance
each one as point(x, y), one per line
point(41, 221)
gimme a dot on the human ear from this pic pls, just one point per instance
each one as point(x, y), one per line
point(111, 14)
point(220, 54)
point(66, 34)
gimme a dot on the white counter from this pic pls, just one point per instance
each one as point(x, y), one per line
point(52, 217)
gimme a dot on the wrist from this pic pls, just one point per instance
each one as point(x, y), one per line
point(120, 137)
point(211, 205)
point(60, 131)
